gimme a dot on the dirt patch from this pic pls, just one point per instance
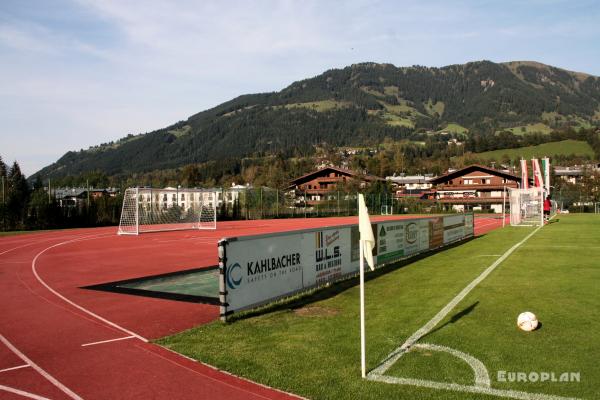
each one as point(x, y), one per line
point(316, 311)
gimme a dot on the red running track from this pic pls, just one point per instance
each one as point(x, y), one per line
point(63, 342)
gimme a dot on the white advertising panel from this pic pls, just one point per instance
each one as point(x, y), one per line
point(454, 228)
point(328, 255)
point(263, 268)
point(390, 241)
point(469, 225)
point(416, 236)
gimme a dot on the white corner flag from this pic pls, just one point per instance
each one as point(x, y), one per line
point(366, 245)
point(367, 240)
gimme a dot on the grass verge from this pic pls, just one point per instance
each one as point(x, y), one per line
point(312, 349)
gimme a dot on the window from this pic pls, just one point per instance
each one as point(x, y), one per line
point(468, 181)
point(182, 196)
point(174, 197)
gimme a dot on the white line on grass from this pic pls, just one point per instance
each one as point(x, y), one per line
point(482, 378)
point(13, 368)
point(22, 393)
point(377, 373)
point(42, 372)
point(396, 354)
point(85, 310)
point(107, 341)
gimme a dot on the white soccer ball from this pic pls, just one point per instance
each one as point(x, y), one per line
point(527, 321)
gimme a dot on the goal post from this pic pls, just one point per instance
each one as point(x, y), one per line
point(527, 206)
point(387, 209)
point(168, 209)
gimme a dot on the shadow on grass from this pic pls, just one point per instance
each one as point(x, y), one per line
point(455, 318)
point(326, 292)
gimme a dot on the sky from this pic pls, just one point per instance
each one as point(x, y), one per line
point(77, 73)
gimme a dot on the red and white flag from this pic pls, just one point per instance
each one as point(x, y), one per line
point(524, 176)
point(537, 173)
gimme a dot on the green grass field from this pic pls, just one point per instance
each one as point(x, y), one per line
point(530, 128)
point(564, 147)
point(455, 128)
point(311, 347)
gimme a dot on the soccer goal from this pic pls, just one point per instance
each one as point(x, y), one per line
point(387, 209)
point(527, 207)
point(155, 210)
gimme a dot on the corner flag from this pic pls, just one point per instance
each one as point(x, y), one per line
point(367, 240)
point(366, 245)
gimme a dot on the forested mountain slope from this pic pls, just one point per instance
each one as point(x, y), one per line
point(355, 106)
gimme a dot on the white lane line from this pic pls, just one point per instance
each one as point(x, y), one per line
point(85, 310)
point(106, 341)
point(35, 242)
point(397, 353)
point(42, 372)
point(13, 368)
point(22, 393)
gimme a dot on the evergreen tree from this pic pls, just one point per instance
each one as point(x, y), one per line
point(3, 190)
point(18, 198)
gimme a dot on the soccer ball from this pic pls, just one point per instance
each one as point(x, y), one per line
point(527, 321)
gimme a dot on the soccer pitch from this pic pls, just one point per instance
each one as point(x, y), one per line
point(311, 347)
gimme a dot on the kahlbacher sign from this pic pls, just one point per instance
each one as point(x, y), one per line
point(259, 267)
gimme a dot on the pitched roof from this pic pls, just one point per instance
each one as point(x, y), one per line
point(346, 172)
point(471, 168)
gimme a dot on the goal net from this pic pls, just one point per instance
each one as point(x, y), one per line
point(154, 210)
point(527, 207)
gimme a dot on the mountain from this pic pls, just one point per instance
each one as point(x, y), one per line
point(357, 105)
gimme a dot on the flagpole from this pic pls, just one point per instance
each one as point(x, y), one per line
point(363, 367)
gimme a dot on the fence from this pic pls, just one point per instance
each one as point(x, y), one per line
point(266, 203)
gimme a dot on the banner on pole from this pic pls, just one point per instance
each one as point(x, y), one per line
point(524, 175)
point(546, 172)
point(537, 173)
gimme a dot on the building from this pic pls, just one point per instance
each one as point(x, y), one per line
point(410, 185)
point(575, 174)
point(314, 186)
point(71, 197)
point(475, 187)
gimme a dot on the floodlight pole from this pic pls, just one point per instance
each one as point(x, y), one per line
point(363, 368)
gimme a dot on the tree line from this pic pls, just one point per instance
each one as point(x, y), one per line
point(28, 207)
